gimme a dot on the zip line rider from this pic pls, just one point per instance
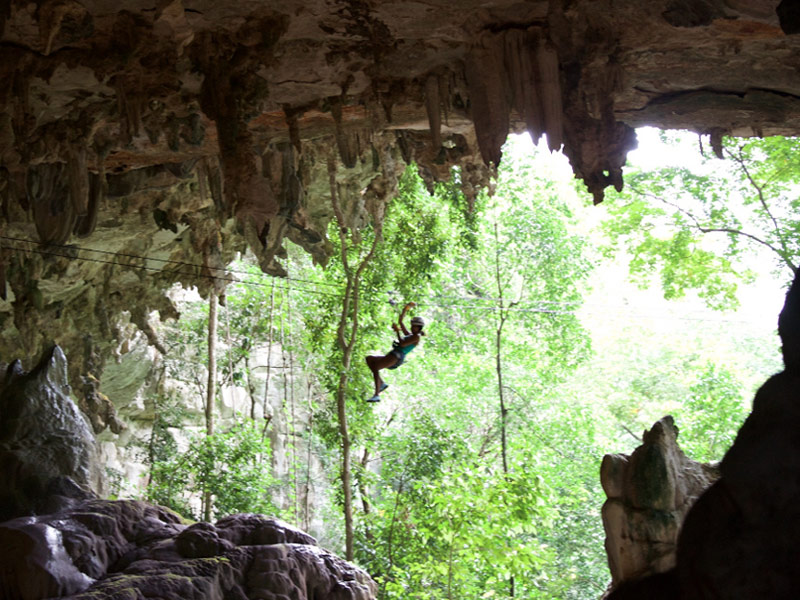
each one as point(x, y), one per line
point(400, 349)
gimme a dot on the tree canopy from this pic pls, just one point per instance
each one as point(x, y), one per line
point(704, 224)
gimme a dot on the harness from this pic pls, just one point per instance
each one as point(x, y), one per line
point(400, 353)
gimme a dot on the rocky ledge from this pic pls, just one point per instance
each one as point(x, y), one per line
point(102, 549)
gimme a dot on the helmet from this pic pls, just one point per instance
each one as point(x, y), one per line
point(418, 321)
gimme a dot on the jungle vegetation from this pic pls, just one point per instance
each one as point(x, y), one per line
point(476, 476)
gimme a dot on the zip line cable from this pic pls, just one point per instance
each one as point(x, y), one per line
point(150, 258)
point(470, 301)
point(309, 286)
point(157, 270)
point(251, 283)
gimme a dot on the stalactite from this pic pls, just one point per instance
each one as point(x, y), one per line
point(202, 180)
point(65, 20)
point(433, 108)
point(129, 109)
point(291, 193)
point(523, 73)
point(716, 134)
point(53, 212)
point(488, 93)
point(444, 96)
point(193, 132)
point(78, 176)
point(86, 224)
point(291, 115)
point(552, 101)
point(213, 175)
point(347, 154)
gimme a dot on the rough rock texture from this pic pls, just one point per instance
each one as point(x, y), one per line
point(47, 452)
point(739, 540)
point(59, 540)
point(649, 494)
point(143, 145)
point(126, 549)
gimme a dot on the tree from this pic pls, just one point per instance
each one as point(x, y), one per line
point(211, 388)
point(353, 267)
point(449, 516)
point(698, 226)
point(232, 465)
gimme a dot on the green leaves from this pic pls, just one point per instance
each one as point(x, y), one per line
point(232, 465)
point(696, 227)
point(712, 414)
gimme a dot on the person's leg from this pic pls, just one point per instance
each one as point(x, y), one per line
point(371, 363)
point(375, 364)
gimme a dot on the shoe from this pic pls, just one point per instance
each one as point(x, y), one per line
point(384, 386)
point(374, 399)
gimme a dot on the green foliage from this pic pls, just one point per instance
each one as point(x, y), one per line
point(233, 465)
point(712, 414)
point(445, 524)
point(437, 517)
point(697, 227)
point(444, 520)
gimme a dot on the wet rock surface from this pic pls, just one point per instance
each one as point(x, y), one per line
point(126, 549)
point(47, 451)
point(739, 540)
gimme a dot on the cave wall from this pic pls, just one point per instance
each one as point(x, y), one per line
point(144, 146)
point(137, 377)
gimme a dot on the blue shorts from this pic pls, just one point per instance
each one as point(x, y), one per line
point(400, 358)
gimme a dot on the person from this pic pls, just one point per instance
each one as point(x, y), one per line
point(400, 349)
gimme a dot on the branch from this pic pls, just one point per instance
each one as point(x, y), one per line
point(343, 250)
point(636, 437)
point(782, 254)
point(740, 160)
point(353, 279)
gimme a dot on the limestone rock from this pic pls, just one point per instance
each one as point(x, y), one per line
point(145, 145)
point(111, 549)
point(649, 494)
point(47, 452)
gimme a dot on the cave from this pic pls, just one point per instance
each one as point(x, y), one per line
point(189, 131)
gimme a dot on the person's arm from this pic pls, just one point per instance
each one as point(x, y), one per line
point(403, 314)
point(411, 339)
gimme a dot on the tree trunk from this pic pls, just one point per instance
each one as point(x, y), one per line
point(344, 436)
point(503, 312)
point(211, 388)
point(346, 339)
point(229, 349)
point(498, 351)
point(269, 358)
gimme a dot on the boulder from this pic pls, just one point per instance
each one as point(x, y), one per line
point(102, 549)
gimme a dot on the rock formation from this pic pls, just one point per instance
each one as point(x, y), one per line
point(145, 145)
point(59, 540)
point(111, 549)
point(649, 494)
point(739, 540)
point(47, 452)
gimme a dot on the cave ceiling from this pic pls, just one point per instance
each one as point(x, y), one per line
point(188, 131)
